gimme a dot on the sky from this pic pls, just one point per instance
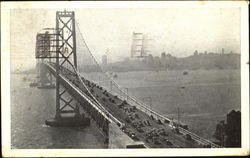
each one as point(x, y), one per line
point(176, 31)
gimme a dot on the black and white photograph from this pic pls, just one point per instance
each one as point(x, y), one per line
point(151, 78)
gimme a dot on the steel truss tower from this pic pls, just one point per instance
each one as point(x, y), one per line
point(65, 57)
point(43, 44)
point(59, 44)
point(139, 44)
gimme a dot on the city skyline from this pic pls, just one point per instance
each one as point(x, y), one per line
point(176, 31)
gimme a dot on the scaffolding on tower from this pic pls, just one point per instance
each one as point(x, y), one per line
point(139, 48)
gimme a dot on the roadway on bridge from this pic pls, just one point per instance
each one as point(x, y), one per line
point(139, 126)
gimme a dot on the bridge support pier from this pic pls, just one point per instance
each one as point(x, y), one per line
point(67, 111)
point(72, 118)
point(80, 121)
point(45, 77)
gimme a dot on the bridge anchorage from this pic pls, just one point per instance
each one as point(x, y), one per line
point(126, 123)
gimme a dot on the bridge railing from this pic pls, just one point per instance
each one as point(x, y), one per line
point(99, 104)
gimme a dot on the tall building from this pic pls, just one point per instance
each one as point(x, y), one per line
point(163, 60)
point(222, 51)
point(104, 60)
point(163, 55)
point(195, 52)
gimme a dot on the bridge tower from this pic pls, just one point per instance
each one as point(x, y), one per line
point(44, 77)
point(60, 46)
point(65, 57)
point(139, 45)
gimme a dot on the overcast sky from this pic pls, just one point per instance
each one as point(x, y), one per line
point(176, 31)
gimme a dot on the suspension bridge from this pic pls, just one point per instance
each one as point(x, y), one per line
point(126, 122)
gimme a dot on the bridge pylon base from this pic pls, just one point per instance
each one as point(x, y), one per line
point(80, 121)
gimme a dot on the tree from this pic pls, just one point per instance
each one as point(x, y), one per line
point(220, 132)
point(229, 133)
point(233, 130)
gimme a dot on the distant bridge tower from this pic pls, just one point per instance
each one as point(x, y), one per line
point(43, 42)
point(139, 45)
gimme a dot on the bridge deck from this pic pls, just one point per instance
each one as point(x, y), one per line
point(138, 125)
point(135, 121)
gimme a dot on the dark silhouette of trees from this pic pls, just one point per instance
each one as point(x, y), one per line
point(220, 132)
point(229, 133)
point(233, 130)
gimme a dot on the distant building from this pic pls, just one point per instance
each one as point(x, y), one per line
point(195, 52)
point(169, 56)
point(150, 59)
point(163, 55)
point(157, 62)
point(104, 60)
point(222, 51)
point(163, 60)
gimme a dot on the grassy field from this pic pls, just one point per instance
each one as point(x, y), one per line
point(204, 97)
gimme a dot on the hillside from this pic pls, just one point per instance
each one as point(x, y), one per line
point(211, 61)
point(193, 62)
